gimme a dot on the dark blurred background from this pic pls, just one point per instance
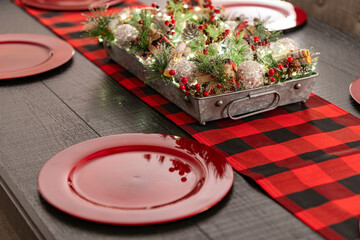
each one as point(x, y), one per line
point(344, 14)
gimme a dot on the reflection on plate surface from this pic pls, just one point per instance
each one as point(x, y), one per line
point(282, 15)
point(135, 179)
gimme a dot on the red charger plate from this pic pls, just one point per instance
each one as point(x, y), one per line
point(135, 179)
point(69, 4)
point(29, 54)
point(355, 90)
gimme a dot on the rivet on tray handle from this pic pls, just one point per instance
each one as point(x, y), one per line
point(272, 106)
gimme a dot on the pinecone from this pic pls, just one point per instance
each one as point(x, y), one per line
point(190, 31)
point(295, 66)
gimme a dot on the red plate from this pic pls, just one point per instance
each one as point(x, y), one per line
point(135, 179)
point(69, 4)
point(29, 54)
point(283, 15)
point(355, 90)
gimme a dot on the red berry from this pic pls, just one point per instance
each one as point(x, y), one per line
point(253, 47)
point(169, 14)
point(263, 43)
point(137, 38)
point(187, 92)
point(206, 94)
point(271, 71)
point(246, 22)
point(212, 7)
point(256, 39)
point(286, 65)
point(227, 31)
point(201, 27)
point(184, 79)
point(280, 66)
point(172, 33)
point(141, 21)
point(217, 11)
point(205, 51)
point(173, 21)
point(206, 42)
point(182, 87)
point(172, 72)
point(290, 59)
point(153, 5)
point(212, 75)
point(197, 86)
point(219, 85)
point(167, 23)
point(212, 18)
point(272, 79)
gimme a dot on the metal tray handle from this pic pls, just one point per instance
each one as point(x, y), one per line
point(272, 106)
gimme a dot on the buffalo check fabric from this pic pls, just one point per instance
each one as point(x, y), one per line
point(305, 156)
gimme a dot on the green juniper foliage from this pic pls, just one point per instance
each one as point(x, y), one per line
point(160, 60)
point(97, 23)
point(142, 45)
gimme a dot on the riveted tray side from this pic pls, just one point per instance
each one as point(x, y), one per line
point(233, 104)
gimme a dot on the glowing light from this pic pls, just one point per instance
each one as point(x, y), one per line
point(195, 17)
point(159, 14)
point(197, 9)
point(123, 16)
point(137, 10)
point(185, 6)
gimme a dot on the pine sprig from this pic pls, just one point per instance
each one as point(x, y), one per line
point(263, 33)
point(97, 23)
point(142, 44)
point(211, 63)
point(174, 6)
point(236, 49)
point(198, 43)
point(160, 61)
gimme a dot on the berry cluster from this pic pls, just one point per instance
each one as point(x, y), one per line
point(274, 74)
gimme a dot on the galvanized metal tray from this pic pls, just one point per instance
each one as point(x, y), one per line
point(234, 105)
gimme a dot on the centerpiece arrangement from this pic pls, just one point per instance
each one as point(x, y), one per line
point(210, 66)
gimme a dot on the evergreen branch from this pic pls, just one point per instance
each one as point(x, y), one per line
point(160, 61)
point(97, 23)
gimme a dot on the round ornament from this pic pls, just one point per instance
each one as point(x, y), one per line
point(284, 45)
point(250, 74)
point(184, 68)
point(124, 34)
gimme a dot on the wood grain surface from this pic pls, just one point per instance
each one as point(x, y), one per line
point(44, 114)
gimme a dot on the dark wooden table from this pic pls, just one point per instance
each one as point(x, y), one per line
point(44, 114)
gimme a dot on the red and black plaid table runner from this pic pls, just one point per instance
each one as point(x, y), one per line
point(305, 156)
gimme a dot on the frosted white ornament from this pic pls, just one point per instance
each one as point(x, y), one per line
point(184, 68)
point(124, 34)
point(284, 46)
point(250, 74)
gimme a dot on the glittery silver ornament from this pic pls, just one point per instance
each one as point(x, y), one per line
point(250, 74)
point(124, 34)
point(184, 68)
point(284, 45)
